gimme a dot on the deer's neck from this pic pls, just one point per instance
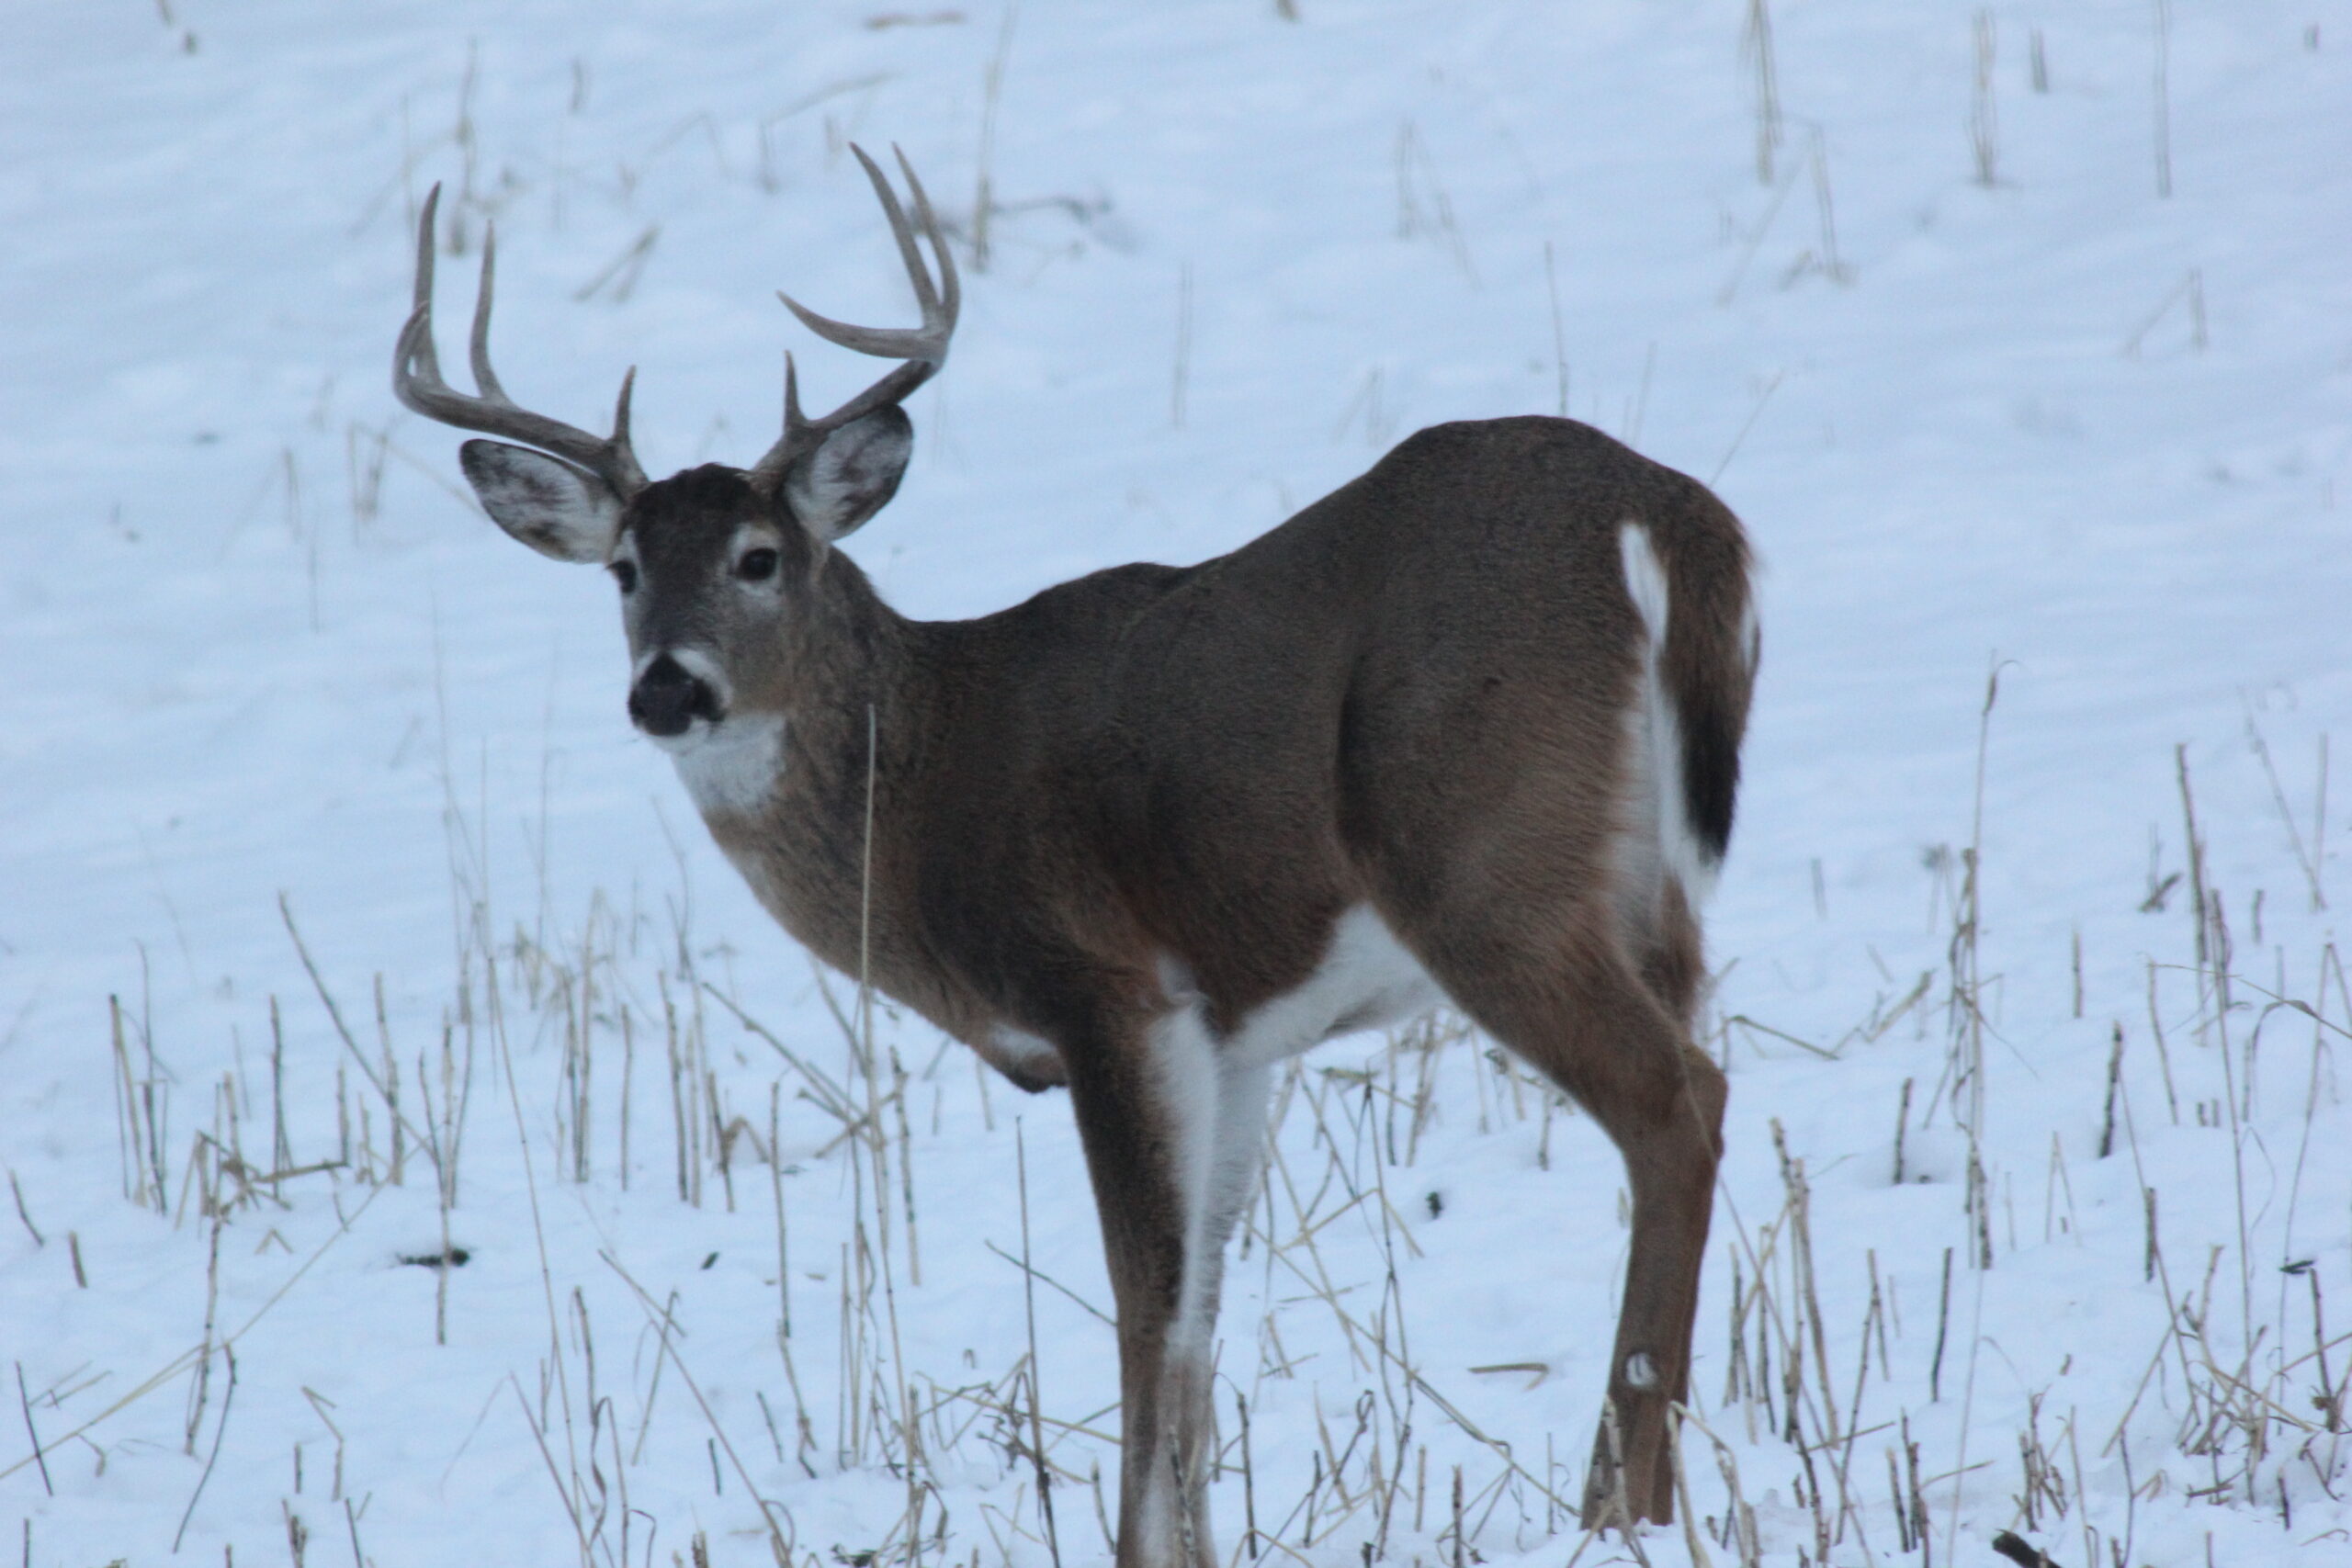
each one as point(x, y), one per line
point(856, 694)
point(822, 845)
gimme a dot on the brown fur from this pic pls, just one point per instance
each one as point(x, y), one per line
point(1413, 696)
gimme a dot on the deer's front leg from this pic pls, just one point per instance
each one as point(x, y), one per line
point(1172, 1136)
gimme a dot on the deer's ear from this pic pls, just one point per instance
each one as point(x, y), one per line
point(851, 474)
point(556, 509)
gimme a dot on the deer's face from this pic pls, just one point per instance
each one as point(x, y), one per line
point(712, 563)
point(699, 561)
point(714, 568)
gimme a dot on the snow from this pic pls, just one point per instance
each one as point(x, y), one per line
point(2062, 425)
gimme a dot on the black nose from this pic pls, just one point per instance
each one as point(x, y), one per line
point(667, 699)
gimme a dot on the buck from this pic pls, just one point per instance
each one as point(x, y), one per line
point(1465, 731)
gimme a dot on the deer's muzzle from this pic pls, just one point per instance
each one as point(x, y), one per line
point(668, 698)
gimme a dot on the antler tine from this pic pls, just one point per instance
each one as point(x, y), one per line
point(923, 350)
point(421, 295)
point(901, 231)
point(950, 298)
point(883, 343)
point(620, 422)
point(478, 347)
point(793, 417)
point(416, 345)
point(417, 381)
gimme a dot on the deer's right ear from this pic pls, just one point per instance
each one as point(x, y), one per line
point(555, 508)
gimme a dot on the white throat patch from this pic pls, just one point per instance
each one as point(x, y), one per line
point(734, 766)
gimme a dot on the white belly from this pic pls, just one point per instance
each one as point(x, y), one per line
point(1366, 980)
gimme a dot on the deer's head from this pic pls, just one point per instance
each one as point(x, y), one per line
point(711, 562)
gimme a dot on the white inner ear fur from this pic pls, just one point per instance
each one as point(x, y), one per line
point(546, 502)
point(846, 479)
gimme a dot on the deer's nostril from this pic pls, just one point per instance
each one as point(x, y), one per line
point(668, 698)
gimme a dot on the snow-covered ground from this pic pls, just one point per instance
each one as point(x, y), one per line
point(2027, 347)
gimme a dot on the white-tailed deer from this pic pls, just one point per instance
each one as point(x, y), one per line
point(1466, 730)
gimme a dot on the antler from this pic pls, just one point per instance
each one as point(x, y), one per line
point(923, 349)
point(416, 381)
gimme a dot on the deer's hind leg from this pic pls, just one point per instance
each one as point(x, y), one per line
point(1608, 1025)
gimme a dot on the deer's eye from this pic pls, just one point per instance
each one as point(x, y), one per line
point(625, 573)
point(756, 566)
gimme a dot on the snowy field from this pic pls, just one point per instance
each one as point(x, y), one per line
point(2021, 339)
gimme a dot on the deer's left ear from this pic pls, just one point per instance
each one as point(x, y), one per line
point(851, 474)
